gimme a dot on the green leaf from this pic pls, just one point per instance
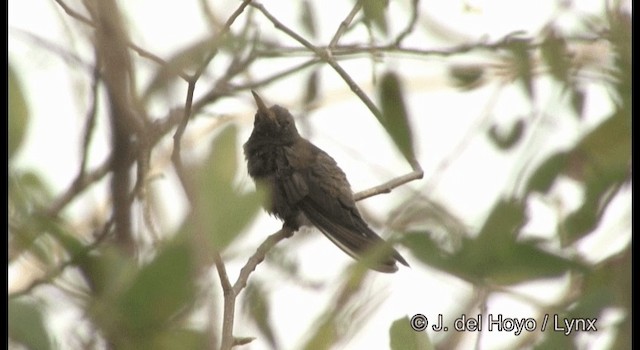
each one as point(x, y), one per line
point(257, 305)
point(519, 49)
point(466, 77)
point(403, 337)
point(577, 101)
point(619, 34)
point(312, 87)
point(506, 218)
point(394, 115)
point(222, 164)
point(374, 13)
point(507, 141)
point(427, 251)
point(603, 159)
point(161, 289)
point(222, 210)
point(107, 271)
point(30, 228)
point(554, 52)
point(608, 146)
point(499, 261)
point(555, 340)
point(324, 337)
point(307, 18)
point(18, 113)
point(178, 339)
point(26, 325)
point(546, 173)
point(523, 262)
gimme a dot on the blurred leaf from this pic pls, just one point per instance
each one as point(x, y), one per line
point(621, 286)
point(374, 13)
point(185, 61)
point(554, 52)
point(577, 101)
point(582, 221)
point(521, 57)
point(161, 289)
point(504, 221)
point(26, 325)
point(18, 112)
point(428, 252)
point(222, 210)
point(524, 262)
point(503, 261)
point(507, 141)
point(307, 18)
point(620, 29)
point(546, 173)
point(179, 339)
point(140, 308)
point(555, 340)
point(108, 272)
point(420, 213)
point(346, 313)
point(403, 337)
point(29, 228)
point(608, 147)
point(312, 87)
point(394, 115)
point(467, 76)
point(604, 156)
point(257, 305)
point(324, 337)
point(222, 164)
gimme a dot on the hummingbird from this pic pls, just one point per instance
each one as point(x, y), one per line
point(307, 187)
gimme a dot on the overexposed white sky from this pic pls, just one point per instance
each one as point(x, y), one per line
point(442, 117)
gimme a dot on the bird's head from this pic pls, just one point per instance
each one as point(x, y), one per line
point(276, 122)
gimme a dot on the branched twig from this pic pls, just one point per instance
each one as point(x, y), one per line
point(74, 14)
point(326, 56)
point(410, 25)
point(227, 340)
point(344, 25)
point(393, 48)
point(140, 51)
point(192, 85)
point(278, 75)
point(78, 185)
point(53, 274)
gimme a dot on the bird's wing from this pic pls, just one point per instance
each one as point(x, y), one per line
point(323, 194)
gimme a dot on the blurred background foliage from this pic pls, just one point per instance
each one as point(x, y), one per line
point(165, 296)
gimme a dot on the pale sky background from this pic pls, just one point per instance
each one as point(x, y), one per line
point(442, 117)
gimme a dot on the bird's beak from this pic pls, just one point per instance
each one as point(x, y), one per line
point(262, 107)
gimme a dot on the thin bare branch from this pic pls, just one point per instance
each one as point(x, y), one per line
point(229, 295)
point(258, 257)
point(74, 14)
point(326, 56)
point(388, 186)
point(54, 273)
point(344, 25)
point(410, 25)
point(91, 119)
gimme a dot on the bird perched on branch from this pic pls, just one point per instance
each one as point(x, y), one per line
point(306, 186)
